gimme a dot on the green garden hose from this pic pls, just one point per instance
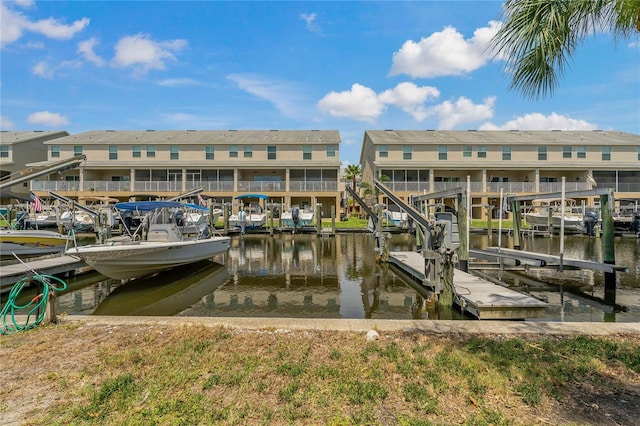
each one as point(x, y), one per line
point(34, 311)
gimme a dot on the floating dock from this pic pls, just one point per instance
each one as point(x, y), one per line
point(11, 274)
point(476, 296)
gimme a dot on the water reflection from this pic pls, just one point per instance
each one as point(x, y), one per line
point(319, 277)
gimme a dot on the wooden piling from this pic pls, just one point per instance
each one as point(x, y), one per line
point(225, 217)
point(489, 220)
point(333, 220)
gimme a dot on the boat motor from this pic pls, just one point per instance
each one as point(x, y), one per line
point(295, 215)
point(590, 221)
point(636, 223)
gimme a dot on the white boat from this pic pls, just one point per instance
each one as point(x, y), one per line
point(296, 218)
point(538, 216)
point(250, 215)
point(172, 239)
point(26, 243)
point(396, 218)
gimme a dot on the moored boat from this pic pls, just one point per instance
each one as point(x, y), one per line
point(538, 216)
point(168, 237)
point(26, 243)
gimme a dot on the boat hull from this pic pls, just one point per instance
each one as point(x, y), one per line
point(572, 225)
point(142, 258)
point(30, 243)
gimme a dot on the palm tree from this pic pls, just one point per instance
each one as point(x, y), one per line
point(538, 37)
point(352, 172)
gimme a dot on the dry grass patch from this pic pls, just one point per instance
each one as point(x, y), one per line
point(198, 375)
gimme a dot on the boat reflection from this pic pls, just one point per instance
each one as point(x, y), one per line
point(167, 294)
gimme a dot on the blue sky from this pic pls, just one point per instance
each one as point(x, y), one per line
point(347, 66)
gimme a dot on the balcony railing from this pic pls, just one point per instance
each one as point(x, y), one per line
point(313, 186)
point(260, 186)
point(318, 186)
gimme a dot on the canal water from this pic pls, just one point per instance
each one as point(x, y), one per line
point(311, 276)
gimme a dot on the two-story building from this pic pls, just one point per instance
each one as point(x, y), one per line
point(19, 148)
point(416, 162)
point(292, 167)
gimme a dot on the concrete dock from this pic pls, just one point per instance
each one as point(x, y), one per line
point(11, 274)
point(476, 296)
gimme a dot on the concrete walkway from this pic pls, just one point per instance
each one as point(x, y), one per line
point(363, 325)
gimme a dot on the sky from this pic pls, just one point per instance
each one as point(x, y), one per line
point(348, 66)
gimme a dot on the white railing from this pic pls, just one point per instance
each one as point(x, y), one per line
point(315, 186)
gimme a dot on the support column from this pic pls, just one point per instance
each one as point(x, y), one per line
point(515, 208)
point(463, 251)
point(608, 248)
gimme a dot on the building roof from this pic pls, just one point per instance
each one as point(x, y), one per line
point(502, 137)
point(201, 137)
point(9, 137)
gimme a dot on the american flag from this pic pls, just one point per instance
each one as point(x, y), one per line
point(37, 204)
point(202, 201)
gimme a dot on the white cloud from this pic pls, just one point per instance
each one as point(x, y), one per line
point(14, 24)
point(363, 104)
point(462, 111)
point(180, 82)
point(5, 123)
point(634, 44)
point(25, 4)
point(144, 54)
point(285, 96)
point(44, 70)
point(410, 98)
point(360, 103)
point(444, 53)
point(311, 23)
point(46, 118)
point(85, 49)
point(538, 121)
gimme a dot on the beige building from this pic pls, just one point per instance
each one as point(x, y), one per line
point(292, 167)
point(19, 148)
point(520, 162)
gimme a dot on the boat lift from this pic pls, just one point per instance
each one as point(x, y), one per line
point(40, 170)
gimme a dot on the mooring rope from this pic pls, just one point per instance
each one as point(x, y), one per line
point(34, 311)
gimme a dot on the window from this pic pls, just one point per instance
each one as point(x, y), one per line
point(542, 153)
point(606, 153)
point(506, 153)
point(248, 151)
point(306, 152)
point(271, 152)
point(567, 152)
point(55, 151)
point(383, 151)
point(233, 151)
point(151, 151)
point(482, 151)
point(136, 151)
point(406, 152)
point(467, 151)
point(174, 152)
point(77, 150)
point(639, 153)
point(113, 152)
point(209, 152)
point(581, 152)
point(4, 151)
point(442, 152)
point(331, 150)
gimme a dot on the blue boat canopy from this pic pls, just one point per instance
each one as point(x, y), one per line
point(261, 196)
point(152, 205)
